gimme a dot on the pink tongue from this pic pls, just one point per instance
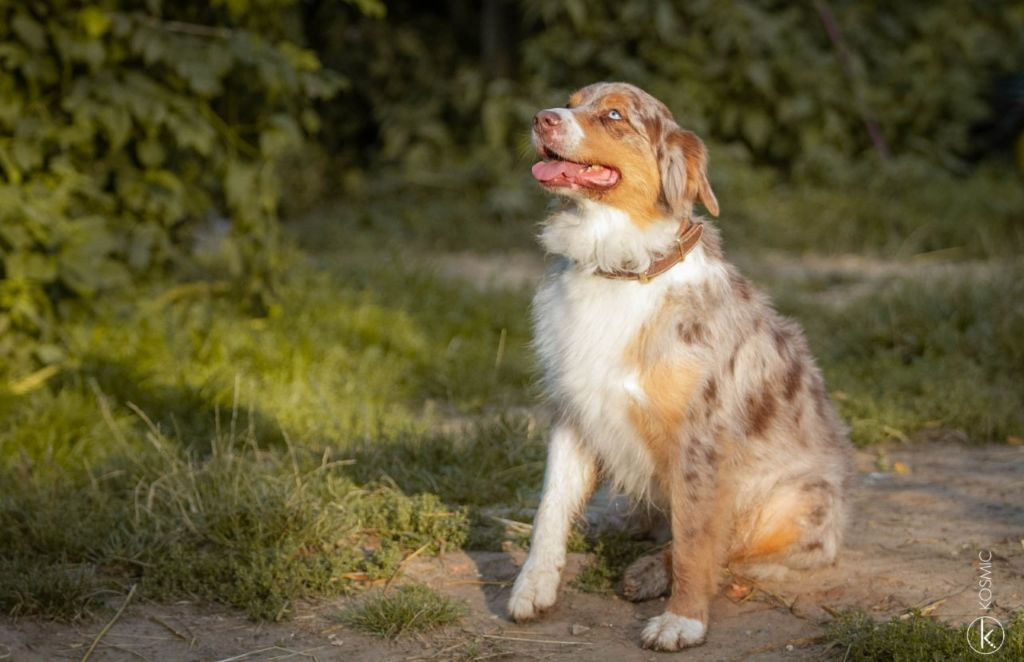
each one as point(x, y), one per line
point(567, 172)
point(545, 171)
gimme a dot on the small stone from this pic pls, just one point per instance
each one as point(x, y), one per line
point(576, 629)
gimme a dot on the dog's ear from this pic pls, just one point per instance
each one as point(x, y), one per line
point(683, 163)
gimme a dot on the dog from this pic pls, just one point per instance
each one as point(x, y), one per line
point(671, 376)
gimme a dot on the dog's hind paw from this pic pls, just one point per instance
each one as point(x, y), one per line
point(646, 578)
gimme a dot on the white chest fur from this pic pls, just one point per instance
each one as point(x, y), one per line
point(583, 327)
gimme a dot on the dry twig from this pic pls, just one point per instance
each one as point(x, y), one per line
point(110, 624)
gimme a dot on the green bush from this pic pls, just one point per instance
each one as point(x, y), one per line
point(134, 138)
point(760, 73)
point(766, 74)
point(141, 137)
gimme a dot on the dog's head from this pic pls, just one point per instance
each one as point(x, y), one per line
point(617, 144)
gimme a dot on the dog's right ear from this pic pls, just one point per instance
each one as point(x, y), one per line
point(683, 164)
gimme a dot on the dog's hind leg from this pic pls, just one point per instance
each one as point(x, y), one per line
point(799, 527)
point(648, 577)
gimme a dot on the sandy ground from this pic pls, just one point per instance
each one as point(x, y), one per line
point(914, 542)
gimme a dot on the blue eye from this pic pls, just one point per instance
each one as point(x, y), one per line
point(614, 115)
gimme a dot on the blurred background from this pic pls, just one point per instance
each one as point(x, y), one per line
point(268, 262)
point(149, 139)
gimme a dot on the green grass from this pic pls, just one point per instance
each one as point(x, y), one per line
point(488, 463)
point(248, 527)
point(59, 591)
point(859, 639)
point(257, 461)
point(896, 210)
point(611, 553)
point(410, 608)
point(915, 356)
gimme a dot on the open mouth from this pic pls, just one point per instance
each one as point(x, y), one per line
point(558, 172)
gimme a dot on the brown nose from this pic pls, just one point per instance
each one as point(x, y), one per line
point(547, 119)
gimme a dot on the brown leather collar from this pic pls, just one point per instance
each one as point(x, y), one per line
point(686, 239)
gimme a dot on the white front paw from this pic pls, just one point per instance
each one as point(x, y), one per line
point(535, 590)
point(670, 632)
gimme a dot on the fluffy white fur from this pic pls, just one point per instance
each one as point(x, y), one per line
point(584, 323)
point(670, 632)
point(583, 319)
point(568, 479)
point(596, 236)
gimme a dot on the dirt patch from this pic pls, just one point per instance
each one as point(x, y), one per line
point(845, 278)
point(512, 270)
point(913, 543)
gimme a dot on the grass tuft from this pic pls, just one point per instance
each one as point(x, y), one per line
point(914, 638)
point(53, 591)
point(411, 608)
point(612, 552)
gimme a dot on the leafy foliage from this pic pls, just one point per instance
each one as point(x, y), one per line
point(132, 138)
point(766, 74)
point(795, 84)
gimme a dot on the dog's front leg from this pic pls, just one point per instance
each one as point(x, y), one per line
point(568, 481)
point(699, 516)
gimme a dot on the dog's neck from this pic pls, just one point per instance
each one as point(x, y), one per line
point(602, 239)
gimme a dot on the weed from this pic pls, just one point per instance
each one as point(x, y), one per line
point(56, 591)
point(411, 608)
point(915, 638)
point(612, 551)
